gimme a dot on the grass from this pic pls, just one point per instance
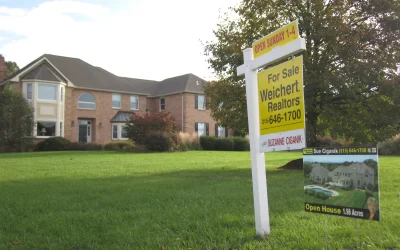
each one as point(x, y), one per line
point(190, 200)
point(346, 198)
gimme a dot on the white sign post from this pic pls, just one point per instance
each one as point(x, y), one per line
point(249, 69)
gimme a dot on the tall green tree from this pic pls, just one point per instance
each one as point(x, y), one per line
point(351, 86)
point(16, 119)
point(11, 68)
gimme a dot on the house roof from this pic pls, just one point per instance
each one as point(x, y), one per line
point(122, 116)
point(356, 167)
point(43, 72)
point(85, 75)
point(182, 83)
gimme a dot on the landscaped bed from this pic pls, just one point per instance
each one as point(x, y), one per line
point(198, 200)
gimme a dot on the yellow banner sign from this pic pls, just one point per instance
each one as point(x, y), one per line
point(280, 96)
point(277, 38)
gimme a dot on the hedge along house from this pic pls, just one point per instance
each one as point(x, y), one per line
point(88, 104)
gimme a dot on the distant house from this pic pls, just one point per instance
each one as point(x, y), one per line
point(356, 175)
point(84, 103)
point(319, 174)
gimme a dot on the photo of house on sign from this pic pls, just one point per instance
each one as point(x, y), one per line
point(342, 181)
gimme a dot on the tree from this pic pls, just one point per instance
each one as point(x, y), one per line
point(11, 68)
point(155, 130)
point(16, 119)
point(351, 84)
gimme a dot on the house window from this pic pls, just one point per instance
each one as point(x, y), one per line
point(220, 131)
point(86, 101)
point(116, 101)
point(29, 91)
point(134, 102)
point(201, 128)
point(119, 132)
point(200, 102)
point(62, 94)
point(47, 92)
point(115, 131)
point(162, 104)
point(366, 175)
point(46, 128)
point(359, 182)
point(124, 132)
point(61, 129)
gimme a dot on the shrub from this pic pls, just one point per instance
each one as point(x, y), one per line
point(324, 196)
point(318, 194)
point(141, 126)
point(16, 120)
point(311, 192)
point(85, 146)
point(241, 144)
point(189, 142)
point(390, 147)
point(207, 142)
point(328, 141)
point(119, 146)
point(53, 144)
point(224, 144)
point(160, 142)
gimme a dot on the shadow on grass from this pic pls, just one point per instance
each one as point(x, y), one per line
point(210, 209)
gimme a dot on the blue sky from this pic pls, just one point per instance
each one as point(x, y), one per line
point(127, 37)
point(338, 158)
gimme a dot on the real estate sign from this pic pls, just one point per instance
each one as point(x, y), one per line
point(342, 181)
point(280, 37)
point(281, 106)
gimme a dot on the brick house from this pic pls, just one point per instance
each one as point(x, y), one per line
point(84, 103)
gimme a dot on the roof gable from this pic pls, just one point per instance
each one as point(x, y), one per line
point(43, 72)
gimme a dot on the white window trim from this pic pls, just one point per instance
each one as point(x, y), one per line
point(26, 94)
point(205, 129)
point(46, 100)
point(62, 94)
point(95, 103)
point(120, 101)
point(204, 100)
point(43, 136)
point(160, 104)
point(119, 132)
point(130, 102)
point(223, 134)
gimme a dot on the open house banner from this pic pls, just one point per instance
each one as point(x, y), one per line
point(342, 181)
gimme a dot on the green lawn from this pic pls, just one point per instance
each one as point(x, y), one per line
point(190, 200)
point(346, 198)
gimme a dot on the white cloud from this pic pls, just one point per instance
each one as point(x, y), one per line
point(150, 40)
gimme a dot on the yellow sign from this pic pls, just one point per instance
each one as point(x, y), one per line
point(277, 38)
point(280, 96)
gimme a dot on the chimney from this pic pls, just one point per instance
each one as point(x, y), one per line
point(2, 68)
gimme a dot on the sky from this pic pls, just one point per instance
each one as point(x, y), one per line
point(146, 39)
point(338, 158)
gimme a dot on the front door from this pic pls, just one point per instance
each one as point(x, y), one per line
point(85, 131)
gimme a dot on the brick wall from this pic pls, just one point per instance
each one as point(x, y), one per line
point(193, 115)
point(101, 117)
